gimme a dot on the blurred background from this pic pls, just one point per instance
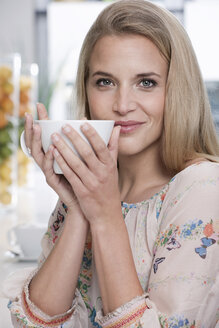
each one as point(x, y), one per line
point(40, 41)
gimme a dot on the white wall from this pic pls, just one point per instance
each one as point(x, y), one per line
point(202, 25)
point(17, 28)
point(68, 23)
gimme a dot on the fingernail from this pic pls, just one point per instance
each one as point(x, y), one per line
point(85, 126)
point(39, 106)
point(55, 137)
point(66, 128)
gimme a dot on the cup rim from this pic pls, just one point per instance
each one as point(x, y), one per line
point(81, 121)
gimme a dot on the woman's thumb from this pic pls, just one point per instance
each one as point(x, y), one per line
point(114, 142)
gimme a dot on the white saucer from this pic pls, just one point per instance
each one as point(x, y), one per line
point(22, 258)
point(19, 256)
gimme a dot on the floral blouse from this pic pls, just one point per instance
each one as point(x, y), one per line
point(174, 238)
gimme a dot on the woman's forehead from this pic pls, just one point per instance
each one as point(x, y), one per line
point(127, 51)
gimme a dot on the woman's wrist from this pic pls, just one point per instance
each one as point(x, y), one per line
point(106, 223)
point(75, 220)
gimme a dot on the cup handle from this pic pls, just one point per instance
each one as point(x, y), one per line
point(23, 145)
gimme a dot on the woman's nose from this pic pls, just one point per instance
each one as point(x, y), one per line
point(124, 101)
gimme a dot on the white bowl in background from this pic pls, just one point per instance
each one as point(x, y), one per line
point(27, 237)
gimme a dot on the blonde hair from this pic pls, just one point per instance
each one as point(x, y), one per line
point(189, 131)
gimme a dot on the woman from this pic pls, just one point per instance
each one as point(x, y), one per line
point(138, 246)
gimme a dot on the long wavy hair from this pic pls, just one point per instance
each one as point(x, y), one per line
point(189, 130)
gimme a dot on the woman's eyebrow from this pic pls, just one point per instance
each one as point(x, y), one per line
point(148, 74)
point(102, 74)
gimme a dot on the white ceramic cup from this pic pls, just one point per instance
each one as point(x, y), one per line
point(27, 238)
point(48, 127)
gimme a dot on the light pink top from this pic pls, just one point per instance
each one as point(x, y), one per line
point(174, 238)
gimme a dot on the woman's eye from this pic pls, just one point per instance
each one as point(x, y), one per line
point(147, 83)
point(103, 82)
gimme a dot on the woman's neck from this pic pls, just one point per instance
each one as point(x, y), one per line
point(141, 176)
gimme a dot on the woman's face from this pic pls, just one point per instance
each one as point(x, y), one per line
point(127, 83)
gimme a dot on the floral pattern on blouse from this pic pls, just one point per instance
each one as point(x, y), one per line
point(20, 318)
point(85, 276)
point(59, 217)
point(171, 238)
point(176, 322)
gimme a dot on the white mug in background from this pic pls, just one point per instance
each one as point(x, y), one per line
point(27, 238)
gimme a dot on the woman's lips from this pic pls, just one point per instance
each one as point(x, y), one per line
point(128, 126)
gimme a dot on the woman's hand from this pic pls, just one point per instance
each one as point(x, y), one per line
point(45, 160)
point(95, 178)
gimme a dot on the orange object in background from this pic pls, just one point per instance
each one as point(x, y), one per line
point(26, 86)
point(28, 97)
point(7, 88)
point(5, 73)
point(3, 120)
point(9, 92)
point(24, 97)
point(6, 110)
point(7, 105)
point(18, 95)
